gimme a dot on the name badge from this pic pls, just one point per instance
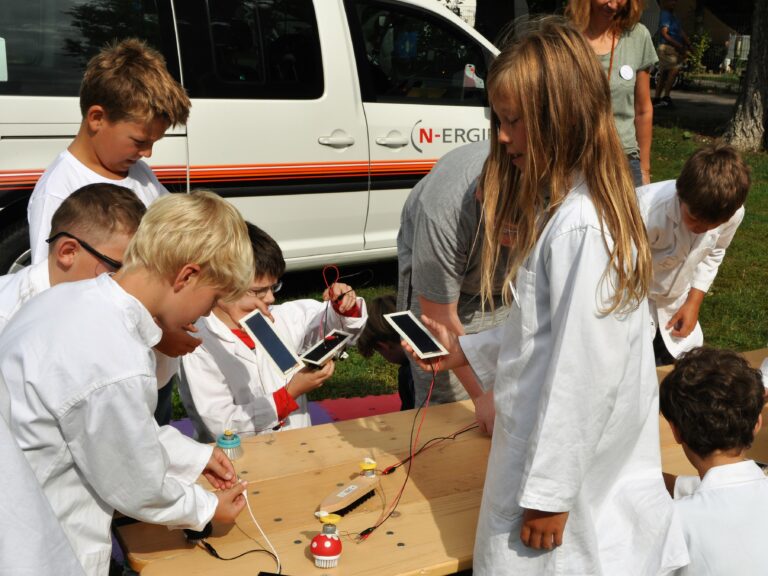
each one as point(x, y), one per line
point(626, 72)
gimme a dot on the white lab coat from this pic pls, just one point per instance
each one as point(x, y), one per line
point(32, 542)
point(227, 385)
point(576, 416)
point(18, 288)
point(724, 522)
point(79, 368)
point(681, 259)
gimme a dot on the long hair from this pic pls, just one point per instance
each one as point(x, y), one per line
point(564, 100)
point(579, 11)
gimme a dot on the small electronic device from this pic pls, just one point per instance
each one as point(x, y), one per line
point(332, 344)
point(260, 328)
point(416, 334)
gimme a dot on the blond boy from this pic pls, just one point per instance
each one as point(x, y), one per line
point(128, 100)
point(78, 365)
point(90, 231)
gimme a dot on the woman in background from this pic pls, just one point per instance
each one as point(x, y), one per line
point(625, 50)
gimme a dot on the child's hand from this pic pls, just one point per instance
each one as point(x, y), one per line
point(177, 342)
point(342, 297)
point(219, 470)
point(543, 529)
point(448, 339)
point(306, 380)
point(485, 412)
point(263, 307)
point(685, 319)
point(231, 502)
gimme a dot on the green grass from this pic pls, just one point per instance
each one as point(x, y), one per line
point(734, 314)
point(355, 376)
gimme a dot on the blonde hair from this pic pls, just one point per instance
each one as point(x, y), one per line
point(197, 228)
point(565, 104)
point(130, 81)
point(579, 12)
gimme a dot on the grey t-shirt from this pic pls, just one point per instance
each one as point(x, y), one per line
point(633, 52)
point(439, 249)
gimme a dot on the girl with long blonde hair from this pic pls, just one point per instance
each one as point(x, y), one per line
point(573, 484)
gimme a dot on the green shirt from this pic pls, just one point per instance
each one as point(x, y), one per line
point(634, 51)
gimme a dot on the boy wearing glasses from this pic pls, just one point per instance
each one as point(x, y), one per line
point(89, 234)
point(229, 381)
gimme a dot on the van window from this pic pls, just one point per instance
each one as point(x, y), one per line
point(49, 42)
point(409, 56)
point(250, 49)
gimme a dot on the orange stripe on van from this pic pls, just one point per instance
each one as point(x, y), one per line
point(26, 179)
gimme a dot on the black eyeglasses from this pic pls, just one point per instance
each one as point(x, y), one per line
point(261, 292)
point(115, 264)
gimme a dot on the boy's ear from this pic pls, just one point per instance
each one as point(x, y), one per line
point(95, 117)
point(758, 425)
point(186, 275)
point(65, 253)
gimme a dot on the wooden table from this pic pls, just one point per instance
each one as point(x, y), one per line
point(290, 472)
point(672, 456)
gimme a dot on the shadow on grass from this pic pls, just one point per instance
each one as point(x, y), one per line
point(703, 113)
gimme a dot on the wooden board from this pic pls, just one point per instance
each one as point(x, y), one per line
point(289, 473)
point(672, 456)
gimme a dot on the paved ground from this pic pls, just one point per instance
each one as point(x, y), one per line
point(697, 111)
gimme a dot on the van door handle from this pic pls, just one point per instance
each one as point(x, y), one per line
point(392, 140)
point(337, 139)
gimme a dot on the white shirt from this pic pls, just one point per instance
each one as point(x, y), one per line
point(67, 174)
point(577, 424)
point(17, 288)
point(32, 541)
point(724, 522)
point(681, 259)
point(227, 385)
point(80, 371)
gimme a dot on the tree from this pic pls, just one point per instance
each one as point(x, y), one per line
point(746, 130)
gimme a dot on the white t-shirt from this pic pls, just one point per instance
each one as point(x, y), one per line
point(65, 175)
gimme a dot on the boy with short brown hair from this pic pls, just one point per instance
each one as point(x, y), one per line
point(713, 401)
point(690, 224)
point(89, 234)
point(128, 100)
point(78, 366)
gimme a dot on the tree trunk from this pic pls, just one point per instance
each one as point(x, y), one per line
point(746, 130)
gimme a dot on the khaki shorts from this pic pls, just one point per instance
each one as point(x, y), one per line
point(669, 57)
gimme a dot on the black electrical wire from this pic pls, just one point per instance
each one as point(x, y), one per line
point(213, 552)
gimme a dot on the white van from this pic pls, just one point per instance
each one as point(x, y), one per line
point(314, 117)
